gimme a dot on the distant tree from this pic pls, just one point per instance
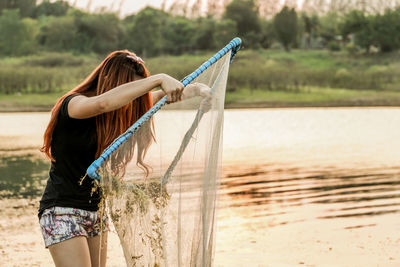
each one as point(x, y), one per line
point(103, 30)
point(285, 24)
point(267, 33)
point(143, 35)
point(178, 35)
point(128, 19)
point(82, 43)
point(310, 28)
point(26, 7)
point(329, 26)
point(30, 32)
point(204, 35)
point(355, 23)
point(224, 31)
point(82, 32)
point(386, 29)
point(59, 34)
point(246, 16)
point(47, 8)
point(17, 37)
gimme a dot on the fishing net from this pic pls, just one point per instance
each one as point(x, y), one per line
point(160, 190)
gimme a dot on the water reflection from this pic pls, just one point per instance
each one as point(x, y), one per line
point(22, 175)
point(333, 193)
point(268, 193)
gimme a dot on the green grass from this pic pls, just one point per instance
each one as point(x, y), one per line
point(28, 102)
point(314, 59)
point(311, 97)
point(245, 98)
point(256, 78)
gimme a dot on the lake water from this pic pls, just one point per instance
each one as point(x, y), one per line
point(309, 186)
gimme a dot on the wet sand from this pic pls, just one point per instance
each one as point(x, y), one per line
point(242, 240)
point(21, 241)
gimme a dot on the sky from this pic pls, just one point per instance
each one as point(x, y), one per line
point(128, 6)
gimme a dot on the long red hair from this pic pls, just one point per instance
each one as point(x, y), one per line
point(117, 68)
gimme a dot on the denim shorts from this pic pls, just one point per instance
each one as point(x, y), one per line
point(60, 223)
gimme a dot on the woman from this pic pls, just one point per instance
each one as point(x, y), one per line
point(83, 123)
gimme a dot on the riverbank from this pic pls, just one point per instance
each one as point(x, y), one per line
point(257, 78)
point(309, 97)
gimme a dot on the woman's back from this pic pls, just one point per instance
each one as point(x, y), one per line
point(73, 146)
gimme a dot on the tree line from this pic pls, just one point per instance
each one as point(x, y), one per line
point(27, 27)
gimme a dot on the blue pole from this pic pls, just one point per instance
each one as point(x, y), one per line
point(233, 45)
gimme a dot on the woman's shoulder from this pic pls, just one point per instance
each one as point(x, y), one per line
point(64, 105)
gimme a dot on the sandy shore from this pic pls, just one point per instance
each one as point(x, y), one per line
point(21, 242)
point(241, 241)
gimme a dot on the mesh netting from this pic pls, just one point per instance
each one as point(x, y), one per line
point(163, 207)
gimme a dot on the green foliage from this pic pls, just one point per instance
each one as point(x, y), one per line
point(54, 60)
point(26, 7)
point(245, 14)
point(204, 37)
point(25, 80)
point(47, 8)
point(47, 73)
point(58, 27)
point(354, 21)
point(329, 26)
point(143, 35)
point(285, 24)
point(262, 69)
point(267, 35)
point(333, 46)
point(102, 32)
point(177, 35)
point(387, 30)
point(310, 96)
point(81, 32)
point(176, 66)
point(17, 37)
point(351, 49)
point(309, 26)
point(59, 34)
point(224, 30)
point(279, 71)
point(360, 26)
point(211, 34)
point(382, 30)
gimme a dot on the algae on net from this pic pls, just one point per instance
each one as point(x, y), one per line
point(135, 195)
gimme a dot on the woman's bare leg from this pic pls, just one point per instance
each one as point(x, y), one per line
point(73, 252)
point(95, 253)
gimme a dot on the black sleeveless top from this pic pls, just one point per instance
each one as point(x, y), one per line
point(73, 146)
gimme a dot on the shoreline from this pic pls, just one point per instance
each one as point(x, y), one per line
point(241, 99)
point(260, 105)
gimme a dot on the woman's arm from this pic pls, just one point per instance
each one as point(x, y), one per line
point(157, 95)
point(82, 107)
point(191, 90)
